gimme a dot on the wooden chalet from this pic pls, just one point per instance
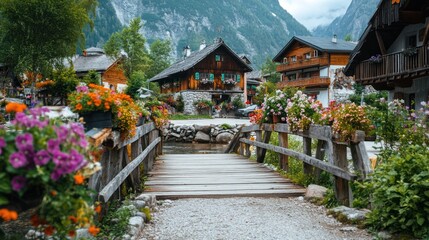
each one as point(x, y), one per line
point(95, 59)
point(310, 63)
point(214, 69)
point(393, 52)
point(253, 80)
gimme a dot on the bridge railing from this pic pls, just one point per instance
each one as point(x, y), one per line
point(327, 147)
point(124, 161)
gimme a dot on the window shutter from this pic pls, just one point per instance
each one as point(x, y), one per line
point(217, 58)
point(211, 76)
point(223, 77)
point(197, 76)
point(237, 78)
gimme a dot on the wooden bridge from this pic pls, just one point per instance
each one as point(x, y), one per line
point(232, 174)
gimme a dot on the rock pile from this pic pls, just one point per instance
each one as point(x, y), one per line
point(201, 134)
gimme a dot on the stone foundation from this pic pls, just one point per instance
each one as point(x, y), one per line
point(201, 134)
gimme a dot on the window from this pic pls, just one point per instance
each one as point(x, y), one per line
point(291, 77)
point(285, 60)
point(197, 76)
point(228, 76)
point(218, 58)
point(315, 53)
point(293, 58)
point(412, 41)
point(307, 55)
point(306, 75)
point(204, 76)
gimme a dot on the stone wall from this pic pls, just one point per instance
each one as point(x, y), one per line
point(190, 97)
point(201, 134)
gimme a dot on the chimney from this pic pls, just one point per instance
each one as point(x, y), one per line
point(334, 38)
point(203, 45)
point(186, 51)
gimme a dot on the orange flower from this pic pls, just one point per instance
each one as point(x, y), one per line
point(53, 193)
point(36, 221)
point(93, 230)
point(49, 230)
point(89, 103)
point(97, 209)
point(15, 107)
point(8, 215)
point(73, 219)
point(78, 179)
point(79, 107)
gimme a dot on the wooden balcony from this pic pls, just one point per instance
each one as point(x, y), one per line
point(300, 64)
point(395, 66)
point(306, 82)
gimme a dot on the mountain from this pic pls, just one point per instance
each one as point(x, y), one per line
point(352, 23)
point(257, 28)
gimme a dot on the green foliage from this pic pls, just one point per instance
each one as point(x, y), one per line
point(180, 105)
point(330, 201)
point(37, 34)
point(238, 103)
point(225, 126)
point(147, 213)
point(188, 117)
point(160, 57)
point(65, 82)
point(137, 80)
point(371, 99)
point(115, 224)
point(132, 43)
point(269, 68)
point(203, 104)
point(263, 90)
point(348, 38)
point(92, 77)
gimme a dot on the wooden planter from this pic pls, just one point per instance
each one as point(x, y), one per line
point(97, 119)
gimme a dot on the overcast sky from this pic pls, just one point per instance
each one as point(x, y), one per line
point(312, 13)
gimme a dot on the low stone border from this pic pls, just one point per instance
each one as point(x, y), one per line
point(222, 133)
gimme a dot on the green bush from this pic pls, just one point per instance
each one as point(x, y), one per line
point(237, 103)
point(115, 224)
point(92, 77)
point(180, 105)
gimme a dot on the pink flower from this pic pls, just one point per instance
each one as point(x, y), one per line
point(18, 160)
point(42, 157)
point(18, 182)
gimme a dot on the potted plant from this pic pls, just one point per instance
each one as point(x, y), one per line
point(203, 106)
point(302, 111)
point(274, 108)
point(47, 161)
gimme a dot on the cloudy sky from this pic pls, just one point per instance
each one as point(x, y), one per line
point(312, 13)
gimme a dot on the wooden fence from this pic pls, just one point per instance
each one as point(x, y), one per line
point(335, 153)
point(124, 161)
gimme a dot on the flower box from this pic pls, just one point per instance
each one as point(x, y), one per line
point(97, 119)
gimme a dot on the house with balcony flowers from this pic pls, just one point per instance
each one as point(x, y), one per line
point(393, 52)
point(312, 63)
point(214, 72)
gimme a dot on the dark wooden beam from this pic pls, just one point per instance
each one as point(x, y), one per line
point(411, 17)
point(426, 37)
point(380, 43)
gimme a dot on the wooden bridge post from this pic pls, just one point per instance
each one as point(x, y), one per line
point(341, 186)
point(258, 134)
point(308, 169)
point(267, 137)
point(284, 159)
point(320, 154)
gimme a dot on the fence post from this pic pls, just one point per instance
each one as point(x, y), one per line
point(258, 134)
point(320, 154)
point(284, 159)
point(308, 169)
point(341, 186)
point(267, 136)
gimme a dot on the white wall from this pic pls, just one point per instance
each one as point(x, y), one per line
point(324, 72)
point(399, 44)
point(323, 97)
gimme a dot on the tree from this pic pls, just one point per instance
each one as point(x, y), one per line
point(132, 43)
point(160, 57)
point(35, 35)
point(348, 38)
point(269, 68)
point(264, 90)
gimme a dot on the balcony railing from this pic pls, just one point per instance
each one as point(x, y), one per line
point(394, 65)
point(306, 82)
point(319, 61)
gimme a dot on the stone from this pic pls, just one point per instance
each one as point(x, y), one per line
point(384, 235)
point(315, 191)
point(83, 234)
point(139, 203)
point(175, 135)
point(134, 230)
point(348, 229)
point(126, 237)
point(301, 198)
point(205, 129)
point(202, 137)
point(224, 137)
point(350, 213)
point(136, 221)
point(148, 198)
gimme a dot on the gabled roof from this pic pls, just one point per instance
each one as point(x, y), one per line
point(322, 44)
point(194, 59)
point(255, 74)
point(93, 59)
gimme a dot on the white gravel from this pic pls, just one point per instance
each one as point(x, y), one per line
point(246, 218)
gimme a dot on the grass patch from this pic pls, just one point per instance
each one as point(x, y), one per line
point(181, 116)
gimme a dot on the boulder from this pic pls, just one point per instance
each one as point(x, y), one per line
point(225, 137)
point(315, 191)
point(204, 129)
point(202, 137)
point(350, 213)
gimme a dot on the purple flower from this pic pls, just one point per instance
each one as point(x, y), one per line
point(53, 146)
point(42, 157)
point(76, 161)
point(60, 158)
point(62, 132)
point(24, 141)
point(18, 160)
point(56, 174)
point(82, 89)
point(18, 182)
point(2, 144)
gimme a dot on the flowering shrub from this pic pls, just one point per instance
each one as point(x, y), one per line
point(275, 106)
point(375, 59)
point(206, 81)
point(302, 111)
point(347, 119)
point(159, 113)
point(44, 159)
point(230, 81)
point(44, 84)
point(97, 98)
point(203, 104)
point(256, 116)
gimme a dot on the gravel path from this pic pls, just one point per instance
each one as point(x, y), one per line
point(246, 218)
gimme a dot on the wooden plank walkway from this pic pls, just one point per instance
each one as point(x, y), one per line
point(214, 176)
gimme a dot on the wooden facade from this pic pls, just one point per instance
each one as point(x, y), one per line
point(393, 53)
point(113, 76)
